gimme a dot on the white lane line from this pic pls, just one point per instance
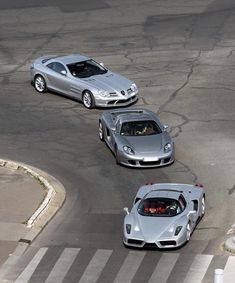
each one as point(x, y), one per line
point(164, 268)
point(229, 270)
point(95, 266)
point(29, 270)
point(129, 267)
point(198, 268)
point(62, 265)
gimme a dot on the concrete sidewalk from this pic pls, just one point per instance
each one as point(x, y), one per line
point(29, 198)
point(20, 196)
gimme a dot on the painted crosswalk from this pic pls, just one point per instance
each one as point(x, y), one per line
point(129, 267)
point(62, 265)
point(57, 265)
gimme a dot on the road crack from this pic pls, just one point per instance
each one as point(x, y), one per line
point(177, 91)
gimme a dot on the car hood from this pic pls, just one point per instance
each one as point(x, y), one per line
point(145, 144)
point(153, 227)
point(109, 82)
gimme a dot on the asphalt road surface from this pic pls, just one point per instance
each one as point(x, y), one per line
point(181, 54)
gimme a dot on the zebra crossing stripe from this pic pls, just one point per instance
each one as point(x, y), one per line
point(198, 269)
point(129, 267)
point(164, 268)
point(29, 270)
point(62, 265)
point(229, 270)
point(95, 267)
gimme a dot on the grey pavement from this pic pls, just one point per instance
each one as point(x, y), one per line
point(29, 199)
point(20, 197)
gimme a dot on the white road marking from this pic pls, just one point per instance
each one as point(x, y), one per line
point(229, 270)
point(164, 268)
point(62, 265)
point(95, 267)
point(129, 267)
point(198, 269)
point(29, 270)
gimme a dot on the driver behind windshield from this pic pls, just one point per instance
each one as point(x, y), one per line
point(86, 69)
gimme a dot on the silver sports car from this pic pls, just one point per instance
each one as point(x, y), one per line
point(136, 137)
point(82, 78)
point(163, 215)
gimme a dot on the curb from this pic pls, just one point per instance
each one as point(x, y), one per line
point(53, 201)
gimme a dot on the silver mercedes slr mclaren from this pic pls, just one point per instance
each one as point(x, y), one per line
point(82, 78)
point(136, 137)
point(163, 215)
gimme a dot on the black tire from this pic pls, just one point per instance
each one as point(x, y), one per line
point(88, 99)
point(101, 131)
point(40, 84)
point(116, 155)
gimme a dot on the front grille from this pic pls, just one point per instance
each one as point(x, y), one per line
point(112, 102)
point(135, 242)
point(132, 162)
point(124, 100)
point(150, 245)
point(166, 160)
point(150, 163)
point(115, 102)
point(168, 243)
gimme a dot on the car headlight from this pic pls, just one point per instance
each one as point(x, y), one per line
point(128, 228)
point(128, 150)
point(134, 87)
point(103, 93)
point(178, 229)
point(167, 147)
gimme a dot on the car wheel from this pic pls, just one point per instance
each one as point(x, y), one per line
point(88, 100)
point(188, 232)
point(101, 131)
point(116, 155)
point(203, 206)
point(40, 84)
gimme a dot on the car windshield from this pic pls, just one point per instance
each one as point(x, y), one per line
point(86, 69)
point(159, 207)
point(140, 128)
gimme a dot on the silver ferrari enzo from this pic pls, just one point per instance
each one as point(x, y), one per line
point(163, 215)
point(82, 78)
point(136, 137)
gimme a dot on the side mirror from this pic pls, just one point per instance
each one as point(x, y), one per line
point(63, 72)
point(126, 210)
point(165, 127)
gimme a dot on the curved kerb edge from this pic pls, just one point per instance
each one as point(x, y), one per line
point(53, 200)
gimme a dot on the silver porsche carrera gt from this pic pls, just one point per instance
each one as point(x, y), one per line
point(80, 77)
point(136, 137)
point(163, 215)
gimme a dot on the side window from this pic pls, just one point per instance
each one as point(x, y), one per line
point(57, 67)
point(50, 65)
point(118, 126)
point(182, 202)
